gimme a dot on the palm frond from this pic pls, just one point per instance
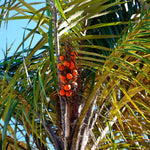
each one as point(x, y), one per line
point(113, 61)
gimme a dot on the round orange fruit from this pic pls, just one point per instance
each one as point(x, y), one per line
point(62, 86)
point(62, 77)
point(61, 67)
point(73, 58)
point(72, 65)
point(62, 92)
point(67, 87)
point(74, 54)
point(66, 63)
point(62, 58)
point(68, 93)
point(69, 76)
point(75, 72)
point(63, 80)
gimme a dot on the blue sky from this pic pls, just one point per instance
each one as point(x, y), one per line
point(14, 33)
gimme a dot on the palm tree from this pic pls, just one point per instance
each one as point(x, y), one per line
point(103, 103)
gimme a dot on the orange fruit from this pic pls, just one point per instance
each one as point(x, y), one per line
point(62, 77)
point(69, 76)
point(69, 93)
point(72, 65)
point(61, 67)
point(62, 58)
point(62, 86)
point(74, 54)
point(75, 72)
point(62, 92)
point(67, 87)
point(63, 80)
point(66, 63)
point(73, 58)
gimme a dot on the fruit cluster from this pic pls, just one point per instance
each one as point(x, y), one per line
point(67, 73)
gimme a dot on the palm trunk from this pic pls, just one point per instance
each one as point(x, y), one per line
point(64, 105)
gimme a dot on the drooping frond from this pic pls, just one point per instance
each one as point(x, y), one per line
point(122, 111)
